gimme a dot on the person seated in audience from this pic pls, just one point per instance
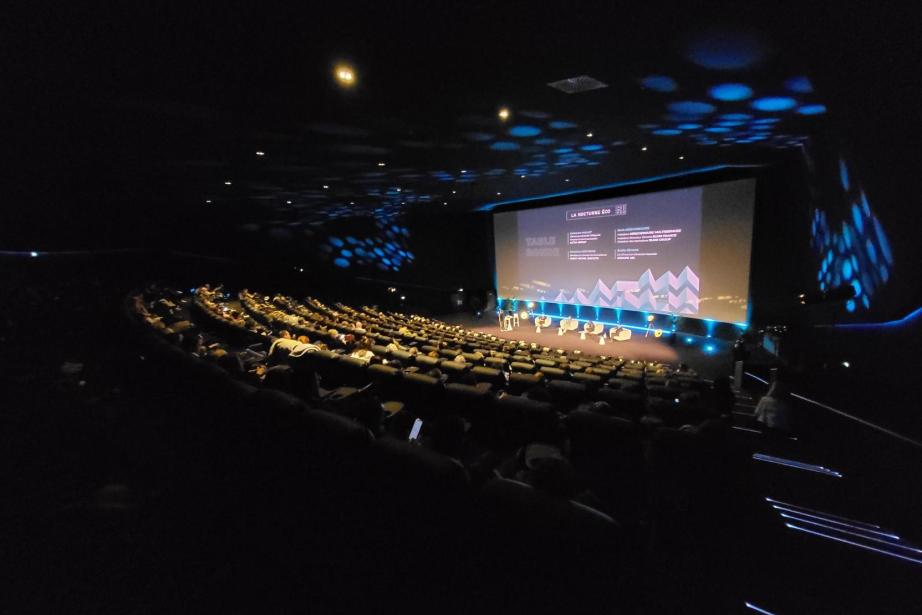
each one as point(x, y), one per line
point(363, 351)
point(436, 373)
point(394, 345)
point(459, 358)
point(775, 409)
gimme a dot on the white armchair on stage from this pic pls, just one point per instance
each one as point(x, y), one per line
point(567, 324)
point(593, 328)
point(619, 334)
point(542, 322)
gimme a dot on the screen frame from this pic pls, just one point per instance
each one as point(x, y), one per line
point(646, 186)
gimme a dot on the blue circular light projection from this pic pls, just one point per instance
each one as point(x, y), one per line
point(545, 141)
point(504, 146)
point(812, 109)
point(563, 150)
point(336, 241)
point(688, 126)
point(843, 175)
point(720, 49)
point(659, 83)
point(478, 136)
point(774, 103)
point(524, 130)
point(730, 92)
point(341, 262)
point(766, 120)
point(561, 125)
point(667, 132)
point(730, 123)
point(735, 116)
point(593, 147)
point(799, 84)
point(717, 129)
point(690, 107)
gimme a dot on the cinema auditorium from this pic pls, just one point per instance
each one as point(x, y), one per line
point(462, 307)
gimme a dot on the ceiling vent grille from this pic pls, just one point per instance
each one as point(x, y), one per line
point(575, 85)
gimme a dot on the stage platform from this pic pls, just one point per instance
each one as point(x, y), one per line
point(708, 356)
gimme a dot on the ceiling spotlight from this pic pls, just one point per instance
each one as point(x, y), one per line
point(566, 180)
point(503, 113)
point(403, 202)
point(522, 176)
point(588, 135)
point(644, 148)
point(398, 189)
point(208, 200)
point(681, 157)
point(260, 153)
point(352, 202)
point(460, 290)
point(380, 164)
point(345, 75)
point(288, 202)
point(463, 171)
point(499, 194)
point(444, 203)
point(227, 183)
point(402, 297)
point(325, 187)
point(846, 364)
point(454, 192)
point(33, 254)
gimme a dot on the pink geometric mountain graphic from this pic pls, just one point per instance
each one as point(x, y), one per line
point(666, 293)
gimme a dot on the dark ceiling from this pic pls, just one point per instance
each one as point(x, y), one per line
point(144, 106)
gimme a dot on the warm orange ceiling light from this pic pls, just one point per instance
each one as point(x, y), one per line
point(345, 75)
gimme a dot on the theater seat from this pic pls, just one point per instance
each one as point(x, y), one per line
point(486, 374)
point(467, 400)
point(566, 394)
point(608, 452)
point(554, 373)
point(421, 393)
point(387, 381)
point(521, 367)
point(426, 363)
point(520, 383)
point(623, 404)
point(590, 380)
point(494, 362)
point(453, 369)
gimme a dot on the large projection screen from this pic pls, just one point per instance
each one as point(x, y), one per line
point(684, 252)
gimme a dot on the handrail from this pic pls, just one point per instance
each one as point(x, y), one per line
point(864, 422)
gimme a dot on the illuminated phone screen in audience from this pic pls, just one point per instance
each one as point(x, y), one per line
point(417, 425)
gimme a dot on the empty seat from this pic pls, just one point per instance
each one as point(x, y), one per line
point(590, 380)
point(555, 373)
point(421, 393)
point(522, 367)
point(486, 374)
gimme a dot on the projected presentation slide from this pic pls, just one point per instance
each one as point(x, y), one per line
point(682, 251)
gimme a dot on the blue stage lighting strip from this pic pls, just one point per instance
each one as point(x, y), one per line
point(854, 544)
point(627, 182)
point(757, 609)
point(798, 465)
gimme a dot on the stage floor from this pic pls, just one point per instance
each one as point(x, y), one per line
point(709, 357)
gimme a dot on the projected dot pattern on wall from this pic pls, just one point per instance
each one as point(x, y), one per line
point(853, 250)
point(386, 250)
